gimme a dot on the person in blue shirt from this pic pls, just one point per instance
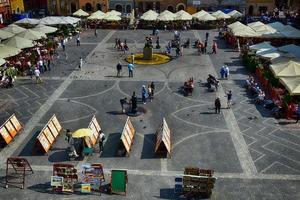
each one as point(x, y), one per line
point(298, 113)
point(130, 69)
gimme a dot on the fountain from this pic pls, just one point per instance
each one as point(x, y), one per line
point(148, 57)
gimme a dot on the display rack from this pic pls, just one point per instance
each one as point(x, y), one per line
point(69, 178)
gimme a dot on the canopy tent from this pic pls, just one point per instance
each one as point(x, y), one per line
point(13, 28)
point(203, 16)
point(166, 16)
point(5, 34)
point(55, 20)
point(262, 46)
point(286, 69)
point(150, 15)
point(265, 30)
point(241, 30)
point(28, 21)
point(183, 16)
point(2, 61)
point(80, 13)
point(278, 26)
point(235, 14)
point(220, 15)
point(292, 84)
point(113, 12)
point(32, 35)
point(291, 32)
point(19, 42)
point(291, 49)
point(97, 15)
point(111, 17)
point(7, 51)
point(44, 29)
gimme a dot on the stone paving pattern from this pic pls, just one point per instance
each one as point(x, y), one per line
point(200, 137)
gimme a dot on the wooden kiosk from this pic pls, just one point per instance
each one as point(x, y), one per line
point(48, 134)
point(163, 143)
point(126, 140)
point(10, 129)
point(91, 141)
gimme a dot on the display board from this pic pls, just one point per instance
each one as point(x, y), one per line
point(94, 125)
point(10, 129)
point(163, 139)
point(49, 133)
point(127, 136)
point(118, 182)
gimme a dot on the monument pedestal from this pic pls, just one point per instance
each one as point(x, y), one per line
point(148, 53)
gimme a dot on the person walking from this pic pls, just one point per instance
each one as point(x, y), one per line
point(132, 58)
point(62, 43)
point(222, 72)
point(214, 48)
point(130, 69)
point(49, 64)
point(226, 71)
point(123, 102)
point(144, 94)
point(80, 63)
point(116, 43)
point(68, 135)
point(218, 105)
point(37, 74)
point(149, 92)
point(96, 34)
point(133, 103)
point(101, 141)
point(298, 113)
point(205, 46)
point(119, 69)
point(78, 40)
point(152, 89)
point(229, 99)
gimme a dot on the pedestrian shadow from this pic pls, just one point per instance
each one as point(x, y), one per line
point(111, 145)
point(58, 156)
point(115, 113)
point(148, 147)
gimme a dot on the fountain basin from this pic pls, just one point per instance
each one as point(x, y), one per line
point(157, 59)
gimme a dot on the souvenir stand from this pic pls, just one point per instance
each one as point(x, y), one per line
point(195, 182)
point(64, 177)
point(126, 140)
point(92, 177)
point(17, 169)
point(163, 143)
point(10, 129)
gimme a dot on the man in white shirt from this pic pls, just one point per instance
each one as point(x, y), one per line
point(80, 63)
point(37, 74)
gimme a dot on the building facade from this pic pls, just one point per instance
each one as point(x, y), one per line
point(256, 7)
point(62, 7)
point(160, 5)
point(213, 5)
point(93, 5)
point(4, 11)
point(38, 8)
point(124, 6)
point(17, 6)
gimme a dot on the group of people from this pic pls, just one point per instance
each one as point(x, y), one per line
point(212, 83)
point(218, 104)
point(147, 93)
point(254, 89)
point(121, 46)
point(6, 80)
point(224, 72)
point(188, 87)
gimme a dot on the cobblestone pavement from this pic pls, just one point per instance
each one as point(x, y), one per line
point(253, 159)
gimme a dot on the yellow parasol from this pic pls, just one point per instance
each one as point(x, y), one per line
point(83, 132)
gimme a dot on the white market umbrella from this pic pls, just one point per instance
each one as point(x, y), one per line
point(220, 15)
point(236, 25)
point(44, 29)
point(32, 35)
point(292, 84)
point(287, 69)
point(15, 29)
point(19, 42)
point(183, 16)
point(273, 54)
point(2, 61)
point(7, 51)
point(291, 32)
point(113, 12)
point(167, 12)
point(111, 17)
point(235, 14)
point(203, 16)
point(278, 26)
point(97, 15)
point(5, 34)
point(80, 13)
point(28, 21)
point(150, 15)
